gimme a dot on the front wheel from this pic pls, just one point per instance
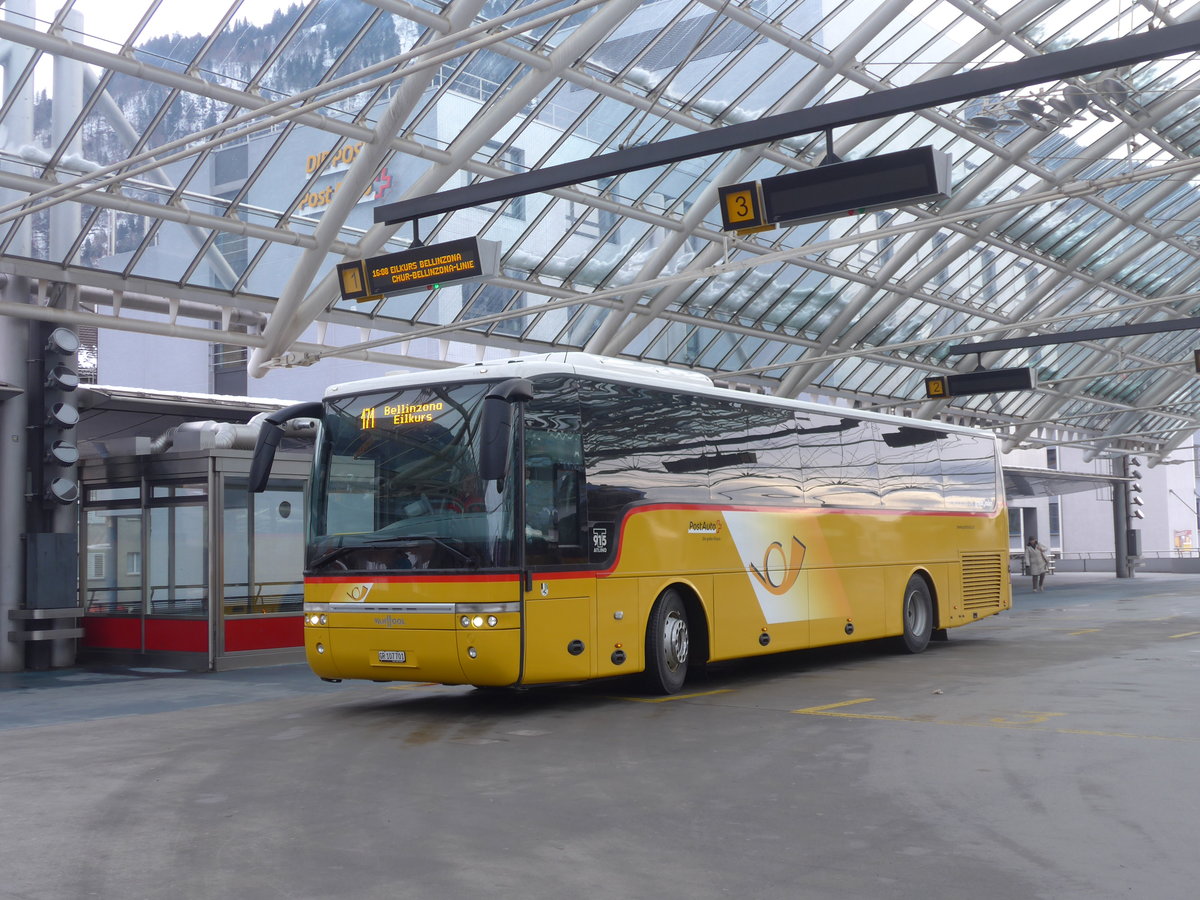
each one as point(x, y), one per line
point(667, 644)
point(918, 616)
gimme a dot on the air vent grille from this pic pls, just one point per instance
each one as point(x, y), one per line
point(982, 580)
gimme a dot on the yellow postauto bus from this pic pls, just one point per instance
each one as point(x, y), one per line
point(566, 517)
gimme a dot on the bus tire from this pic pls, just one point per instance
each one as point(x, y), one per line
point(917, 614)
point(667, 644)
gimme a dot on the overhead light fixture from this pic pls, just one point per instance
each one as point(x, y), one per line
point(62, 415)
point(62, 490)
point(62, 340)
point(62, 378)
point(1115, 90)
point(62, 453)
point(1044, 111)
point(1076, 97)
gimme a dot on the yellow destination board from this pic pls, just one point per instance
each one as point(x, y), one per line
point(424, 267)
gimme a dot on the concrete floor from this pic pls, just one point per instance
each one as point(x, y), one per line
point(1051, 752)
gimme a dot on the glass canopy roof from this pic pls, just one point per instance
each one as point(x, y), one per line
point(229, 157)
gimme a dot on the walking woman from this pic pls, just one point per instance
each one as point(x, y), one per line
point(1036, 563)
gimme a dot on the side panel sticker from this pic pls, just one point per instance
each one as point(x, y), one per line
point(772, 556)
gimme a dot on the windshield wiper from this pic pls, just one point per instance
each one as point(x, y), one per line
point(329, 556)
point(474, 564)
point(399, 542)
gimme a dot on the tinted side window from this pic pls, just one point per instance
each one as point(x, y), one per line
point(910, 471)
point(819, 447)
point(755, 456)
point(641, 445)
point(554, 512)
point(969, 471)
point(839, 460)
point(860, 465)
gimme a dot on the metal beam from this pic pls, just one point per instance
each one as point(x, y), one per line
point(1097, 57)
point(1075, 337)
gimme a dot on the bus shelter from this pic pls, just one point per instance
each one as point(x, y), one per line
point(182, 566)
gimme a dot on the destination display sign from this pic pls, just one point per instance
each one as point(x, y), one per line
point(399, 414)
point(431, 267)
point(421, 268)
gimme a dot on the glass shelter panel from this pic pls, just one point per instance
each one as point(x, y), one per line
point(178, 561)
point(113, 584)
point(278, 554)
point(264, 548)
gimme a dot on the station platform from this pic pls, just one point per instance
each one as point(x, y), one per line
point(1052, 751)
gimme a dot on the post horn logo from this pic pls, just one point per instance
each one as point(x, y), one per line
point(791, 568)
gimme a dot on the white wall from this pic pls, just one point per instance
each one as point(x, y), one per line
point(1168, 493)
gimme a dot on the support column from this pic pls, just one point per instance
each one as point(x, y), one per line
point(14, 342)
point(13, 442)
point(1120, 505)
point(66, 219)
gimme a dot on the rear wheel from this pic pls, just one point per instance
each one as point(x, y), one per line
point(918, 616)
point(667, 643)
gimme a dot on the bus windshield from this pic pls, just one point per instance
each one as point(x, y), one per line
point(396, 485)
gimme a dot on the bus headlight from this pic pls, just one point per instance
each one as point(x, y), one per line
point(492, 620)
point(465, 621)
point(477, 621)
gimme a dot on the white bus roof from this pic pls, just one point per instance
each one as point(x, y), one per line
point(610, 369)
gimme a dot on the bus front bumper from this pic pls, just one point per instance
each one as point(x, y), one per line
point(447, 643)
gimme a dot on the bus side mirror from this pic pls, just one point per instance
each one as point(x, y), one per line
point(495, 432)
point(269, 434)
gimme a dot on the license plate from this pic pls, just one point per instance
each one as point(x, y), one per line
point(398, 656)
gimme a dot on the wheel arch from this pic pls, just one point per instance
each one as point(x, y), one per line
point(925, 575)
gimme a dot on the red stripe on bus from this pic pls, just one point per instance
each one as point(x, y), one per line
point(816, 510)
point(409, 579)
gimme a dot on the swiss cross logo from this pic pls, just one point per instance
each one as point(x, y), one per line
point(383, 183)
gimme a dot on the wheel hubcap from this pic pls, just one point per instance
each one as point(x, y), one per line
point(914, 613)
point(675, 641)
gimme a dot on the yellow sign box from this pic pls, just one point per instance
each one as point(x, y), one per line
point(937, 387)
point(742, 207)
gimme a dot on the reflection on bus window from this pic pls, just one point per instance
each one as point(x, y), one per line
point(399, 488)
point(968, 471)
point(910, 471)
point(554, 476)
